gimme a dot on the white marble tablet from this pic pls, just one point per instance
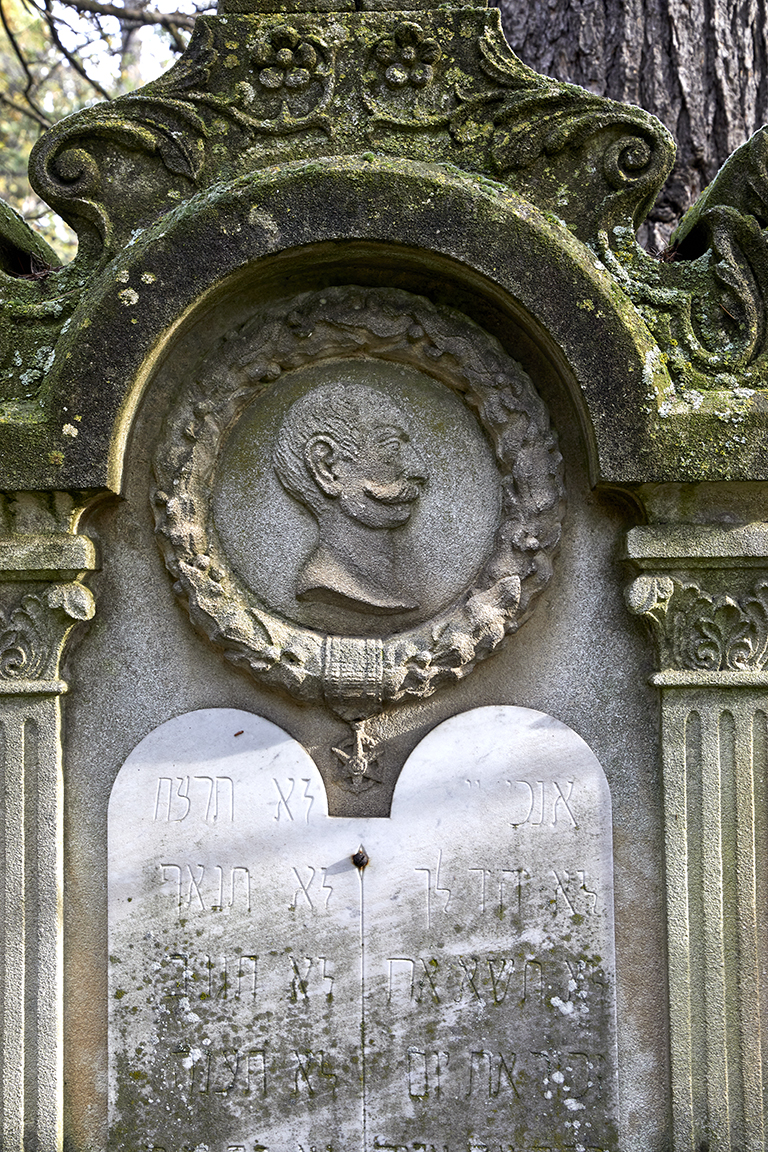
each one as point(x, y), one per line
point(457, 994)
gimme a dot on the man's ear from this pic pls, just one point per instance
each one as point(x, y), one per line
point(321, 455)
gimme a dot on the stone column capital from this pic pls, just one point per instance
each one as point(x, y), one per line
point(704, 592)
point(42, 561)
point(33, 632)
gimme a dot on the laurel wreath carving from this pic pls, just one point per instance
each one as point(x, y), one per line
point(396, 326)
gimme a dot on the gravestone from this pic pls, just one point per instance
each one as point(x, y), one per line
point(356, 449)
point(443, 977)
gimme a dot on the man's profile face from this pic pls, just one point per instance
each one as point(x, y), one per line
point(345, 449)
point(380, 485)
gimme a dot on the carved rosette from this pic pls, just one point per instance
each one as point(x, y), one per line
point(358, 676)
point(338, 86)
point(401, 89)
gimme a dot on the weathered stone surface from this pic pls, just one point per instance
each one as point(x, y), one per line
point(367, 153)
point(368, 600)
point(441, 88)
point(255, 90)
point(22, 250)
point(41, 602)
point(704, 593)
point(456, 990)
point(351, 221)
point(703, 590)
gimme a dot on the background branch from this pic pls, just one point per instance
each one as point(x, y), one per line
point(38, 117)
point(30, 80)
point(138, 15)
point(70, 56)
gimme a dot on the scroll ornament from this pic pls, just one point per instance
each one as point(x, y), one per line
point(296, 77)
point(705, 302)
point(33, 631)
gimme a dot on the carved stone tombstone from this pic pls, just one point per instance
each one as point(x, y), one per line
point(336, 449)
point(443, 977)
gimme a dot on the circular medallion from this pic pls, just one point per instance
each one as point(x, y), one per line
point(359, 495)
point(434, 499)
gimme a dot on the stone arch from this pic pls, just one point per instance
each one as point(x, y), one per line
point(315, 223)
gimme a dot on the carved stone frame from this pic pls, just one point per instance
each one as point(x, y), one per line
point(358, 676)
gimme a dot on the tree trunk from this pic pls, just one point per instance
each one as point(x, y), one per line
point(701, 66)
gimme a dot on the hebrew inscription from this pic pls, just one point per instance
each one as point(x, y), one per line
point(452, 987)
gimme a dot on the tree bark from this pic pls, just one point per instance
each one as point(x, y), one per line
point(701, 66)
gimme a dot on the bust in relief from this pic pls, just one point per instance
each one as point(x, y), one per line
point(345, 453)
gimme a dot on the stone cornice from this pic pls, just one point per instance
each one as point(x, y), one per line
point(46, 556)
point(698, 546)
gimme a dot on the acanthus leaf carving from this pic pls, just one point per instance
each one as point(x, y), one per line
point(157, 119)
point(532, 116)
point(34, 631)
point(66, 174)
point(706, 304)
point(698, 631)
point(500, 63)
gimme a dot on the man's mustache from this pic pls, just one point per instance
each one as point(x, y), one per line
point(399, 492)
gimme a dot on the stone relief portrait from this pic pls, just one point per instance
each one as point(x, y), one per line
point(357, 498)
point(359, 495)
point(345, 453)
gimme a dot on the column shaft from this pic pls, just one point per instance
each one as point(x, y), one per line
point(714, 784)
point(31, 975)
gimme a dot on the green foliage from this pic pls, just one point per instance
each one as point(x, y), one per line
point(33, 97)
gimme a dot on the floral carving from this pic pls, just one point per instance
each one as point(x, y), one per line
point(402, 89)
point(294, 85)
point(32, 634)
point(696, 631)
point(284, 60)
point(407, 56)
point(285, 75)
point(357, 677)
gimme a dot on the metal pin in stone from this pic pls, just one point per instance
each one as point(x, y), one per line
point(360, 858)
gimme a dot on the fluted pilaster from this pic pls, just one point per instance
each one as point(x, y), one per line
point(42, 600)
point(704, 592)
